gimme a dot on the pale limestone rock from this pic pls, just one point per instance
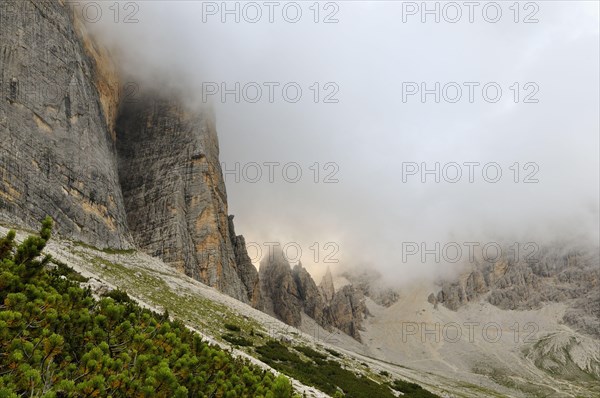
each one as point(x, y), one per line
point(326, 286)
point(57, 153)
point(174, 192)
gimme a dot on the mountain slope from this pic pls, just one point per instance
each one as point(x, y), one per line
point(159, 287)
point(560, 274)
point(519, 353)
point(399, 341)
point(56, 340)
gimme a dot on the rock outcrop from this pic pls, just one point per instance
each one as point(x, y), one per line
point(245, 269)
point(326, 286)
point(279, 290)
point(347, 310)
point(310, 295)
point(287, 293)
point(57, 154)
point(567, 355)
point(567, 276)
point(126, 172)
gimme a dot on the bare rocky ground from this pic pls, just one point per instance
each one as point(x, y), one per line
point(550, 361)
point(514, 353)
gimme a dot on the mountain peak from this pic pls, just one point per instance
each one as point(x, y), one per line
point(326, 286)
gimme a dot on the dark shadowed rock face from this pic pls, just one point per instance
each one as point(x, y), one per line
point(288, 293)
point(174, 192)
point(279, 290)
point(57, 154)
point(245, 269)
point(310, 295)
point(347, 310)
point(557, 275)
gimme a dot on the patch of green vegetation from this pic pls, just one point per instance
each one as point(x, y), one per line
point(231, 327)
point(120, 296)
point(56, 340)
point(257, 334)
point(275, 351)
point(411, 389)
point(326, 375)
point(237, 340)
point(309, 352)
point(150, 286)
point(333, 352)
point(304, 363)
point(107, 250)
point(63, 270)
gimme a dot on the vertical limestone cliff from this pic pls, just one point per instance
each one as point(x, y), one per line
point(174, 192)
point(111, 173)
point(56, 152)
point(246, 270)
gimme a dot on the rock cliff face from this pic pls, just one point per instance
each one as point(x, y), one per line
point(567, 276)
point(173, 190)
point(310, 295)
point(246, 270)
point(347, 310)
point(279, 290)
point(287, 293)
point(111, 173)
point(326, 286)
point(57, 154)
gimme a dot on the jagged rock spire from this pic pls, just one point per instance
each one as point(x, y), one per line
point(326, 286)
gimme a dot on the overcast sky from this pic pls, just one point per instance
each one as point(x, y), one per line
point(371, 59)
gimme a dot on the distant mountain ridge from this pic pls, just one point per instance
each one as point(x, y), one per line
point(556, 275)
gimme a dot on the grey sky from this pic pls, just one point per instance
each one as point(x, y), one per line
point(370, 132)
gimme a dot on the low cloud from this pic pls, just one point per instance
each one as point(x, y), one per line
point(347, 173)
